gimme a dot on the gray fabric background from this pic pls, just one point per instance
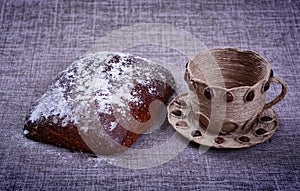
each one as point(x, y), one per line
point(38, 39)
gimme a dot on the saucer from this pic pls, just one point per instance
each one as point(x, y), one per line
point(182, 119)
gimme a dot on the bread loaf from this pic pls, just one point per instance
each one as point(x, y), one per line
point(100, 104)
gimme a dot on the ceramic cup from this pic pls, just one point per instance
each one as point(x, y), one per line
point(233, 81)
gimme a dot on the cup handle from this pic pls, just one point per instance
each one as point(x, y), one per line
point(281, 95)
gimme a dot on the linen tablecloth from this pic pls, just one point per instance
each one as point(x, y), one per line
point(38, 39)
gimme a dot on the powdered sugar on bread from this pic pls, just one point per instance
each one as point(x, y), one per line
point(105, 79)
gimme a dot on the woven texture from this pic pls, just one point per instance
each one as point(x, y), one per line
point(38, 39)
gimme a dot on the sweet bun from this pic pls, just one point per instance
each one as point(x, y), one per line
point(100, 104)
